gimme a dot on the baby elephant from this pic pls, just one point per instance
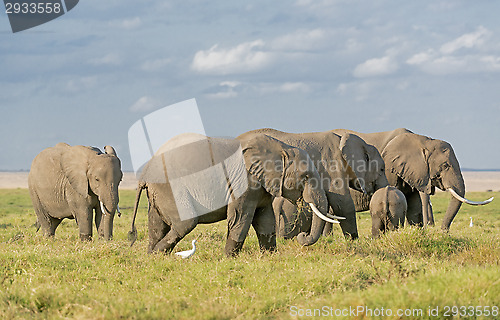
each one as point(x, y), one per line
point(388, 210)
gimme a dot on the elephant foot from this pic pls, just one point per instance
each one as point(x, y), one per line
point(267, 241)
point(37, 225)
point(233, 247)
point(85, 237)
point(351, 236)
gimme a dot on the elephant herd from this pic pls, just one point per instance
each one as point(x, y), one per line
point(282, 184)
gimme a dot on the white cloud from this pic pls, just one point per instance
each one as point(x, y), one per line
point(295, 87)
point(359, 90)
point(144, 103)
point(110, 59)
point(81, 84)
point(421, 57)
point(247, 57)
point(301, 40)
point(287, 87)
point(128, 24)
point(468, 40)
point(447, 59)
point(156, 64)
point(225, 89)
point(376, 67)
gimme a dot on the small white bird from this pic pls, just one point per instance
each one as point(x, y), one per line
point(188, 253)
point(471, 224)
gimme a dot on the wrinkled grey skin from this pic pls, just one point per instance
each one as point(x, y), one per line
point(69, 182)
point(387, 209)
point(357, 165)
point(290, 179)
point(416, 165)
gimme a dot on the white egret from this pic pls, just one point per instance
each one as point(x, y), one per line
point(188, 253)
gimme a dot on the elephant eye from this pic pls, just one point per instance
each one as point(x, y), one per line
point(96, 179)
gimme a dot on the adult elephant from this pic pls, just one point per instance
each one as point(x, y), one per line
point(195, 179)
point(72, 182)
point(341, 161)
point(417, 165)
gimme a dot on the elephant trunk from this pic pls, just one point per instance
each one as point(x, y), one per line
point(316, 230)
point(106, 227)
point(316, 198)
point(459, 187)
point(108, 205)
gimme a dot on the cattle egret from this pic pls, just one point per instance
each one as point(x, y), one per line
point(471, 224)
point(188, 253)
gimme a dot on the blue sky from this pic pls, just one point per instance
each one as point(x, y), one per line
point(304, 65)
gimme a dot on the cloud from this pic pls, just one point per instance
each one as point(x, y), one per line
point(468, 40)
point(295, 87)
point(247, 57)
point(421, 57)
point(447, 59)
point(81, 84)
point(128, 24)
point(156, 64)
point(301, 40)
point(144, 103)
point(225, 90)
point(111, 59)
point(376, 67)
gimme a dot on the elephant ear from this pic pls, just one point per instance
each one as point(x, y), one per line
point(267, 160)
point(75, 165)
point(407, 157)
point(110, 150)
point(355, 153)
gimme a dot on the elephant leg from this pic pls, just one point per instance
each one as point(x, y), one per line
point(239, 218)
point(327, 231)
point(177, 232)
point(157, 228)
point(43, 219)
point(343, 206)
point(414, 214)
point(97, 220)
point(430, 214)
point(377, 226)
point(85, 225)
point(265, 226)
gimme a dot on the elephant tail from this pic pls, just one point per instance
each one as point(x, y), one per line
point(132, 234)
point(386, 203)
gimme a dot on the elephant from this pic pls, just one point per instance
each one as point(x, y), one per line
point(341, 161)
point(252, 172)
point(72, 182)
point(387, 209)
point(417, 165)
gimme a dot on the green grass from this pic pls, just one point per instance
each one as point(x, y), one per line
point(412, 268)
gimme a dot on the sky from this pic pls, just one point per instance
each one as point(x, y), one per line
point(299, 66)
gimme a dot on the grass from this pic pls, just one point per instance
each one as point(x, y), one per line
point(410, 270)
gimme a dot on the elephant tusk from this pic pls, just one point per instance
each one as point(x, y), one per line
point(118, 210)
point(104, 212)
point(464, 200)
point(323, 217)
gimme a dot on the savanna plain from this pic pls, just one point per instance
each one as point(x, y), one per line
point(409, 270)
